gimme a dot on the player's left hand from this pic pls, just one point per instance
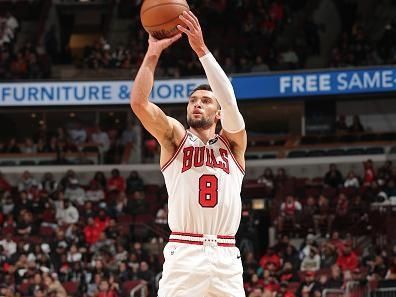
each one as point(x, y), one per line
point(193, 32)
point(157, 46)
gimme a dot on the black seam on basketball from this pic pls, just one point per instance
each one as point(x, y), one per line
point(163, 4)
point(171, 20)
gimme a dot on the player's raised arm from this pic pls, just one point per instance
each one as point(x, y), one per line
point(151, 116)
point(231, 119)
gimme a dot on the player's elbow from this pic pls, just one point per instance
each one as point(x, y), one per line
point(136, 105)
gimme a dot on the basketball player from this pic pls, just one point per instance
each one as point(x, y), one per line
point(203, 174)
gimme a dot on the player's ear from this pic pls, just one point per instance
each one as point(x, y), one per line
point(218, 114)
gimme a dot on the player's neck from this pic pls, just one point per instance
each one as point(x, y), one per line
point(204, 134)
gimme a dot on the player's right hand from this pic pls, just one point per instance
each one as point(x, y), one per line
point(158, 45)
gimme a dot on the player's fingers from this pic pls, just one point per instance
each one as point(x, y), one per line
point(174, 38)
point(194, 18)
point(184, 30)
point(186, 18)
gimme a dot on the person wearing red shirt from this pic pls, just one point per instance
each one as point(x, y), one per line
point(116, 182)
point(4, 184)
point(102, 220)
point(348, 260)
point(91, 232)
point(105, 290)
point(270, 257)
point(369, 173)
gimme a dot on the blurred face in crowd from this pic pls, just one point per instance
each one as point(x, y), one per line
point(203, 111)
point(104, 286)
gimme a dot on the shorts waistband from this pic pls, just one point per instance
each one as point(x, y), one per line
point(203, 239)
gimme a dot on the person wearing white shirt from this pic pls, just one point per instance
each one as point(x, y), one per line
point(101, 139)
point(68, 214)
point(351, 180)
point(95, 193)
point(75, 193)
point(11, 21)
point(9, 245)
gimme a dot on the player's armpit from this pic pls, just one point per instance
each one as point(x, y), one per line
point(238, 144)
point(166, 130)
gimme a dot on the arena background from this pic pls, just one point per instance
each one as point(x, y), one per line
point(82, 199)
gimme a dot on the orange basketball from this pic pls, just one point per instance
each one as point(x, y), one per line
point(160, 17)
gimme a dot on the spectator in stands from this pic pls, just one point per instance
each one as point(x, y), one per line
point(267, 178)
point(348, 260)
point(4, 184)
point(351, 180)
point(291, 256)
point(290, 213)
point(25, 223)
point(280, 177)
point(131, 142)
point(116, 182)
point(78, 134)
point(100, 178)
point(134, 183)
point(333, 177)
point(26, 181)
point(11, 147)
point(384, 173)
point(95, 192)
point(161, 217)
point(48, 183)
point(328, 255)
point(270, 258)
point(356, 126)
point(310, 209)
point(341, 219)
point(101, 139)
point(74, 192)
point(341, 125)
point(91, 231)
point(335, 280)
point(8, 245)
point(369, 173)
point(53, 284)
point(309, 286)
point(311, 262)
point(106, 290)
point(28, 147)
point(67, 214)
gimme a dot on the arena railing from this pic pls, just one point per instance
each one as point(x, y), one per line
point(384, 292)
point(333, 293)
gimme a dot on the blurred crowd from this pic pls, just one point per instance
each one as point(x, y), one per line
point(112, 145)
point(56, 233)
point(26, 62)
point(247, 45)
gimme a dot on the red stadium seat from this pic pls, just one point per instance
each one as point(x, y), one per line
point(127, 286)
point(71, 288)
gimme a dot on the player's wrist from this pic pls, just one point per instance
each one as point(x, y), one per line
point(201, 51)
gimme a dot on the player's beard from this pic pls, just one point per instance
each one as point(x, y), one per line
point(202, 123)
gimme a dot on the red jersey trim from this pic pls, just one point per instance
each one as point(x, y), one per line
point(200, 242)
point(187, 234)
point(232, 155)
point(176, 153)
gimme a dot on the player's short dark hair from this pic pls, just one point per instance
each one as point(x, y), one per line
point(204, 87)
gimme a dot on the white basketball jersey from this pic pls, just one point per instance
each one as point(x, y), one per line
point(204, 185)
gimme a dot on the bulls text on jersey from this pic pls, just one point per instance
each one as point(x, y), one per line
point(203, 156)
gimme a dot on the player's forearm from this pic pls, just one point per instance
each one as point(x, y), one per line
point(144, 80)
point(231, 119)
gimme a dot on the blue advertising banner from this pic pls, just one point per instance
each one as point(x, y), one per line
point(91, 93)
point(315, 83)
point(280, 85)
